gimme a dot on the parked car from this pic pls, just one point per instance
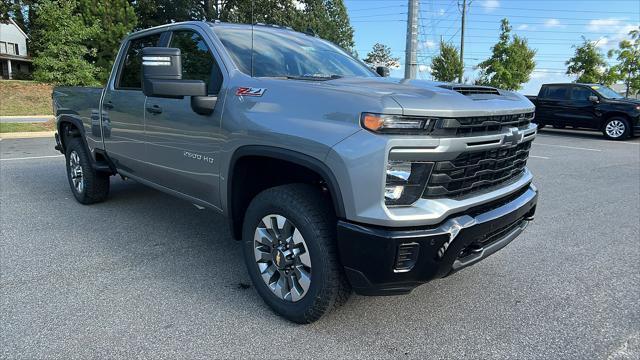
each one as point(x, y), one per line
point(588, 106)
point(333, 177)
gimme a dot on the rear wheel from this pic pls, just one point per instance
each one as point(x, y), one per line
point(87, 185)
point(616, 128)
point(290, 252)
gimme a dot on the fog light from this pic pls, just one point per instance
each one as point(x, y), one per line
point(405, 181)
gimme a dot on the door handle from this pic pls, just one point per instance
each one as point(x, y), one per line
point(108, 105)
point(155, 109)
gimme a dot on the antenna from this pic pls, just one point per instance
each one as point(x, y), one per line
point(252, 2)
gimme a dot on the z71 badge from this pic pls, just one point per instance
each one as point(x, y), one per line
point(250, 91)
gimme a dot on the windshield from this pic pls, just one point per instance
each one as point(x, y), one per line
point(606, 92)
point(284, 53)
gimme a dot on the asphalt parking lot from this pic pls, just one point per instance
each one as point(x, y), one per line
point(146, 275)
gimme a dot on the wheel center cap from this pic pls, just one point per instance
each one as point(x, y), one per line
point(279, 259)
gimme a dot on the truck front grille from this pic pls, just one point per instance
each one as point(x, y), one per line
point(484, 124)
point(473, 171)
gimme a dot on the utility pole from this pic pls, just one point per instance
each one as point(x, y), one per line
point(464, 12)
point(411, 57)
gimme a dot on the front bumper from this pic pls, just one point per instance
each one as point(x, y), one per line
point(370, 255)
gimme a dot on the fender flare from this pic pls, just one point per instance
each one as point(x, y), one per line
point(292, 156)
point(66, 118)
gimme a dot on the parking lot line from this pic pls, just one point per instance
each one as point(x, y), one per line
point(539, 157)
point(32, 157)
point(567, 147)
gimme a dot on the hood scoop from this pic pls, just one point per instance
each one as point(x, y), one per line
point(472, 90)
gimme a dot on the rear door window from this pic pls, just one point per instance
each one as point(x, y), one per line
point(556, 92)
point(131, 71)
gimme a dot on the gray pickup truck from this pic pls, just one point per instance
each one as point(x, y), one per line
point(334, 179)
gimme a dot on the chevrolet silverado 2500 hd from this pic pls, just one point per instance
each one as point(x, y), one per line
point(335, 179)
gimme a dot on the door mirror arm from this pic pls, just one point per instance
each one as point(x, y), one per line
point(594, 99)
point(204, 105)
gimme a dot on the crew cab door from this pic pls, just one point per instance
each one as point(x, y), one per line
point(580, 111)
point(182, 145)
point(123, 108)
point(551, 104)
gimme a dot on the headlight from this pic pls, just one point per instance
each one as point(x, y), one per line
point(396, 124)
point(405, 182)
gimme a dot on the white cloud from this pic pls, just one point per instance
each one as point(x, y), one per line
point(522, 27)
point(553, 23)
point(424, 68)
point(428, 44)
point(602, 24)
point(490, 5)
point(541, 74)
point(602, 42)
point(441, 12)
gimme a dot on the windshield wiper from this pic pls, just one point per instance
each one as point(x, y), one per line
point(313, 77)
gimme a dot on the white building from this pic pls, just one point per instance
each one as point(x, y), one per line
point(14, 57)
point(622, 90)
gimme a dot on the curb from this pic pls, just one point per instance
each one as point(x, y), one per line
point(8, 117)
point(27, 135)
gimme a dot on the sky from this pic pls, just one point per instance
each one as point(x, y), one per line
point(552, 27)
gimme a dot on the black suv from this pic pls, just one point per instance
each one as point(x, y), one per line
point(589, 106)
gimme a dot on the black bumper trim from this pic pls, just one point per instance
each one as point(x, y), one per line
point(368, 253)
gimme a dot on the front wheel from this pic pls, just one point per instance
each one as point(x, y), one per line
point(616, 128)
point(289, 235)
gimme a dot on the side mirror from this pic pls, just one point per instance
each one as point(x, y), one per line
point(162, 75)
point(594, 99)
point(382, 71)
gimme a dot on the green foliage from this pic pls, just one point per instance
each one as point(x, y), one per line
point(59, 39)
point(327, 18)
point(628, 67)
point(116, 18)
point(447, 65)
point(588, 64)
point(510, 64)
point(380, 55)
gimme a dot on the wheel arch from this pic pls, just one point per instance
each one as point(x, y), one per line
point(614, 114)
point(303, 166)
point(70, 126)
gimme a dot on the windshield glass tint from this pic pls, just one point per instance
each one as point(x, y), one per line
point(282, 53)
point(606, 92)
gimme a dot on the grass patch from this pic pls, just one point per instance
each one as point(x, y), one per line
point(24, 98)
point(27, 127)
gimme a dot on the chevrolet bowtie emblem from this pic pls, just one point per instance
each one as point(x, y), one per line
point(514, 137)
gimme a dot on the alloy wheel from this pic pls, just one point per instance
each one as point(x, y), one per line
point(282, 257)
point(615, 128)
point(75, 171)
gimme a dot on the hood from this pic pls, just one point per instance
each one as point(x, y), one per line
point(428, 98)
point(624, 101)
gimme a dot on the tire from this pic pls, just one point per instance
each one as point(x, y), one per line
point(616, 128)
point(541, 126)
point(92, 186)
point(291, 208)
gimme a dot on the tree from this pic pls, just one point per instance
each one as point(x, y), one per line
point(510, 64)
point(588, 64)
point(447, 65)
point(116, 18)
point(59, 38)
point(380, 55)
point(327, 18)
point(628, 67)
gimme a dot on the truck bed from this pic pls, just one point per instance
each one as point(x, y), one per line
point(82, 103)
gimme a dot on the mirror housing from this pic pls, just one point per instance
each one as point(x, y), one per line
point(382, 71)
point(594, 99)
point(162, 75)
